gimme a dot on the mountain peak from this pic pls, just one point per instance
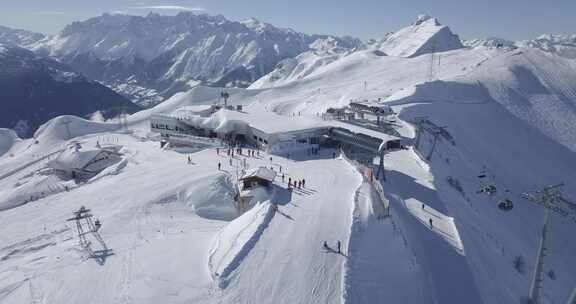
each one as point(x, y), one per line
point(425, 35)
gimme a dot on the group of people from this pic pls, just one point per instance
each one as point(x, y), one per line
point(239, 151)
point(296, 183)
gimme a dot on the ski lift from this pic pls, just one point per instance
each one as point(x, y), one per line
point(97, 225)
point(505, 205)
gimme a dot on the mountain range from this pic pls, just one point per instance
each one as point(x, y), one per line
point(34, 89)
point(149, 58)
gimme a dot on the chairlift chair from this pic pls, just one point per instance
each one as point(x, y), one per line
point(505, 205)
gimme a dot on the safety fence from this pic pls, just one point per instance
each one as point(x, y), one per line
point(368, 176)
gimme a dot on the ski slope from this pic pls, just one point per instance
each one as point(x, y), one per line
point(176, 239)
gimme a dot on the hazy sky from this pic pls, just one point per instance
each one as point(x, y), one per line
point(512, 19)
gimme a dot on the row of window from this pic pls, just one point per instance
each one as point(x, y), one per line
point(260, 139)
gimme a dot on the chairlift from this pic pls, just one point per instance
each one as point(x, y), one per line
point(505, 205)
point(97, 224)
point(490, 190)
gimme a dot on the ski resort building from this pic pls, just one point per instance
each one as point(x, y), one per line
point(253, 184)
point(370, 110)
point(77, 162)
point(268, 131)
point(256, 177)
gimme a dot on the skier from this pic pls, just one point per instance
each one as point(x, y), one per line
point(326, 245)
point(422, 206)
point(230, 161)
point(218, 151)
point(289, 182)
point(282, 177)
point(430, 221)
point(219, 166)
point(299, 184)
point(339, 247)
point(270, 158)
point(189, 160)
point(304, 183)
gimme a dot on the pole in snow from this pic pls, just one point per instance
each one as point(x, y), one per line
point(547, 198)
point(572, 299)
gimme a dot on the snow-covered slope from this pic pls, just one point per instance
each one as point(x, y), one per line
point(510, 113)
point(173, 53)
point(323, 52)
point(425, 35)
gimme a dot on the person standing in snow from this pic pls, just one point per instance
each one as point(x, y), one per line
point(218, 151)
point(219, 166)
point(325, 245)
point(430, 221)
point(282, 177)
point(333, 154)
point(304, 183)
point(339, 251)
point(289, 182)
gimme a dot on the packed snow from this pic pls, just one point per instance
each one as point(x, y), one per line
point(172, 233)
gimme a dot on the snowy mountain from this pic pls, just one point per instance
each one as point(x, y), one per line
point(169, 54)
point(424, 36)
point(323, 52)
point(497, 118)
point(563, 45)
point(489, 42)
point(34, 89)
point(21, 38)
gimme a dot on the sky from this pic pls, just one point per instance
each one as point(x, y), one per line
point(510, 19)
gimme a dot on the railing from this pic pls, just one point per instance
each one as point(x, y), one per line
point(368, 176)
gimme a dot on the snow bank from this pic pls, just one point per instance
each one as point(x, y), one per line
point(36, 187)
point(63, 128)
point(211, 197)
point(233, 243)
